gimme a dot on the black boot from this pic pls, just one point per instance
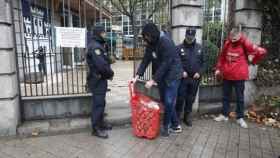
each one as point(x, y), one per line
point(99, 133)
point(165, 132)
point(106, 126)
point(188, 119)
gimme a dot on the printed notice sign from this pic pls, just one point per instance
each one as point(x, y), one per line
point(70, 37)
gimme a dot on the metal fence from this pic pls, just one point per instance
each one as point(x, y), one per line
point(213, 37)
point(45, 69)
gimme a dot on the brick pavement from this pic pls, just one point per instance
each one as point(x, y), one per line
point(206, 139)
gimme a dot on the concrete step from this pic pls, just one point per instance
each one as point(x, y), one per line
point(212, 107)
point(209, 108)
point(117, 116)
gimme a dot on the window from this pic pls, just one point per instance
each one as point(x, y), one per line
point(125, 29)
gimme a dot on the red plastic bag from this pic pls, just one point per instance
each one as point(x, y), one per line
point(145, 114)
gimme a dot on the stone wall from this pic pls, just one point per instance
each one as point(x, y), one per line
point(9, 102)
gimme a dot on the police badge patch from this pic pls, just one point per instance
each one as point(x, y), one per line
point(97, 51)
point(199, 52)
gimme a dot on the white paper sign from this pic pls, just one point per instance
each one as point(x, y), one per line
point(70, 37)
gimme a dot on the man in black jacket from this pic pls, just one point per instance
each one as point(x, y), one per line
point(99, 73)
point(191, 54)
point(166, 70)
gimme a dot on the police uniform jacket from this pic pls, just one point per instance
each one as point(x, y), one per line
point(99, 67)
point(191, 57)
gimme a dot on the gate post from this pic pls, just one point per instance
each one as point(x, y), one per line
point(9, 96)
point(249, 15)
point(184, 14)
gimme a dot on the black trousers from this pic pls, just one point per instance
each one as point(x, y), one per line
point(186, 94)
point(97, 110)
point(239, 87)
point(98, 89)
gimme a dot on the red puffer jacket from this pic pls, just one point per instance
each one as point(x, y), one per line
point(233, 59)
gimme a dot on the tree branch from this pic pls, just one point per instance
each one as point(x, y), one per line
point(157, 3)
point(121, 8)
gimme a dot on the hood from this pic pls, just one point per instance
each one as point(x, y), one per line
point(151, 30)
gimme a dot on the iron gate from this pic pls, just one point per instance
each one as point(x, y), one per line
point(44, 69)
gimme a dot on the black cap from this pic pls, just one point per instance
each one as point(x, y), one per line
point(190, 32)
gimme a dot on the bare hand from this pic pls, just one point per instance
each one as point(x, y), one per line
point(135, 79)
point(185, 74)
point(217, 73)
point(149, 84)
point(250, 58)
point(196, 76)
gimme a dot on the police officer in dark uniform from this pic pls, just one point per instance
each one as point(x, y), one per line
point(191, 54)
point(167, 72)
point(99, 73)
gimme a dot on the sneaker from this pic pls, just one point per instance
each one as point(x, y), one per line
point(242, 123)
point(177, 129)
point(99, 133)
point(221, 118)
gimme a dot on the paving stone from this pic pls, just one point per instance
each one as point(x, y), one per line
point(206, 139)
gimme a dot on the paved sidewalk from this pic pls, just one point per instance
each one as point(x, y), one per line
point(206, 139)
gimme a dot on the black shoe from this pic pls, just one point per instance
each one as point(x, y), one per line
point(165, 132)
point(188, 119)
point(99, 133)
point(106, 126)
point(177, 129)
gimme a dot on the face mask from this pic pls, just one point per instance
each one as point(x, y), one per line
point(189, 39)
point(235, 38)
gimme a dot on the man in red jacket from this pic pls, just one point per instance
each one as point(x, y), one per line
point(233, 67)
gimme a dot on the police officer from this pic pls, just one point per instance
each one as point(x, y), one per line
point(167, 72)
point(99, 73)
point(191, 54)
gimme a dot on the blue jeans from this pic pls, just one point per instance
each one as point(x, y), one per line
point(239, 87)
point(168, 97)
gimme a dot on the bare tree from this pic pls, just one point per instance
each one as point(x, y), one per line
point(129, 8)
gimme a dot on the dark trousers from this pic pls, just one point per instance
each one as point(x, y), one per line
point(97, 110)
point(98, 89)
point(186, 94)
point(239, 87)
point(168, 94)
point(42, 68)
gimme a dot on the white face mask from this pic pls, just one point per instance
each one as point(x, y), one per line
point(235, 38)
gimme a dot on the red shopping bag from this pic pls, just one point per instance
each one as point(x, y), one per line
point(145, 114)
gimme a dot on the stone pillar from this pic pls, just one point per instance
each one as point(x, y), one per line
point(249, 15)
point(185, 13)
point(9, 100)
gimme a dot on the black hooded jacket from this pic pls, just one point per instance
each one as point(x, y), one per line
point(162, 53)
